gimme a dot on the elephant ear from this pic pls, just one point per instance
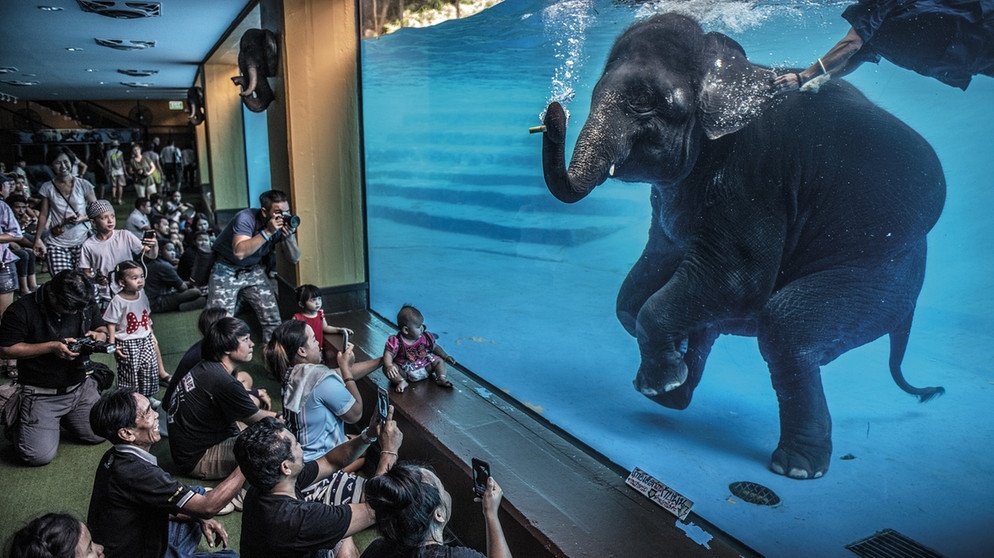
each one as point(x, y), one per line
point(733, 90)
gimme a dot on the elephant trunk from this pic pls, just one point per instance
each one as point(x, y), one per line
point(591, 164)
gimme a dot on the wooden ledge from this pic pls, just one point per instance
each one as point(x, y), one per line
point(560, 498)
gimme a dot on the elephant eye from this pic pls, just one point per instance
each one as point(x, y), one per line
point(642, 102)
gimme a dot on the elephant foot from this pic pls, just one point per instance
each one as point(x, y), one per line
point(800, 459)
point(661, 375)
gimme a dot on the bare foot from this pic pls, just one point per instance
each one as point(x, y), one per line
point(399, 388)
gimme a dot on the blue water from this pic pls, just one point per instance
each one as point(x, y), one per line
point(521, 288)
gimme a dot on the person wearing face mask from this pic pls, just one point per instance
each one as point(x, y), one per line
point(54, 535)
point(62, 221)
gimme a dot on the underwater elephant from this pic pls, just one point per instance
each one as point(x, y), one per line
point(798, 219)
point(258, 57)
point(195, 105)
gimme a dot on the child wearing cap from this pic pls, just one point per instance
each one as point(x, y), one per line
point(108, 247)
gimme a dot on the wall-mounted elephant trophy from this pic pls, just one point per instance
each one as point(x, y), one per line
point(258, 60)
point(798, 219)
point(195, 105)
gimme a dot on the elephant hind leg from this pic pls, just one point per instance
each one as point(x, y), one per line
point(812, 321)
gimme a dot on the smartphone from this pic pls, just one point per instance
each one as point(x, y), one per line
point(345, 339)
point(481, 472)
point(382, 403)
point(148, 235)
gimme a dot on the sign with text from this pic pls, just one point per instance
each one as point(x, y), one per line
point(669, 499)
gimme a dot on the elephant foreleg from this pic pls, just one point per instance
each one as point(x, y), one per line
point(699, 345)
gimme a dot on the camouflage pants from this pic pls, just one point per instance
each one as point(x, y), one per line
point(253, 286)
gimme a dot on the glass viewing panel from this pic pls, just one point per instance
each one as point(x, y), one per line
point(521, 288)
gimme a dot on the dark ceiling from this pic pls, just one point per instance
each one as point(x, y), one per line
point(36, 62)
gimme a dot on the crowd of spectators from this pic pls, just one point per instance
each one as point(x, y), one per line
point(294, 475)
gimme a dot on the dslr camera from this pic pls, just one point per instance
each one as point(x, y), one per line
point(86, 346)
point(290, 219)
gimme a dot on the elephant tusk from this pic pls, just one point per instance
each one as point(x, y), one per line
point(610, 171)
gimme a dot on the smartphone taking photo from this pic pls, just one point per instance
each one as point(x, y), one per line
point(148, 235)
point(382, 403)
point(345, 339)
point(481, 472)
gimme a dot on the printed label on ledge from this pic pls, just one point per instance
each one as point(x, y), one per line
point(669, 499)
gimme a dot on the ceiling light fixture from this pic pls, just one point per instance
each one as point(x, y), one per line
point(121, 44)
point(137, 84)
point(20, 83)
point(121, 10)
point(50, 8)
point(7, 69)
point(74, 49)
point(138, 73)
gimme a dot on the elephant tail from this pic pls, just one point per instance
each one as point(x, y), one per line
point(898, 345)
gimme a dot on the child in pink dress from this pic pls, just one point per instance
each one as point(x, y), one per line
point(412, 355)
point(311, 313)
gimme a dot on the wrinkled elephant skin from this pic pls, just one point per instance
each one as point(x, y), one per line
point(258, 57)
point(799, 219)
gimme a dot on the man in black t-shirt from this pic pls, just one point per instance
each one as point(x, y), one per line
point(56, 391)
point(136, 508)
point(276, 521)
point(208, 401)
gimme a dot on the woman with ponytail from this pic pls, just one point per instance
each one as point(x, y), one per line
point(412, 509)
point(54, 535)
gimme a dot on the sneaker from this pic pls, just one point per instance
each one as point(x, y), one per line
point(239, 499)
point(228, 508)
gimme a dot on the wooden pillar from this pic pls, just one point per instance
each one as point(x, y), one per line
point(314, 138)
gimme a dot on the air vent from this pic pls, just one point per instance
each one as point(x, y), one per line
point(121, 10)
point(120, 44)
point(7, 69)
point(137, 84)
point(138, 73)
point(20, 83)
point(890, 544)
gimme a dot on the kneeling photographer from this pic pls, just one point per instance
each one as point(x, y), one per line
point(245, 259)
point(45, 332)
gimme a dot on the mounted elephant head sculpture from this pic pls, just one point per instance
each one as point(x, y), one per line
point(195, 105)
point(258, 60)
point(798, 219)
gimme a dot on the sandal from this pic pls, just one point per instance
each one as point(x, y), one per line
point(164, 380)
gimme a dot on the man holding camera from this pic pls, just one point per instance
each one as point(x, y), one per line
point(245, 266)
point(39, 331)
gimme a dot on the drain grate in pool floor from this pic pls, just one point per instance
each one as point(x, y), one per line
point(754, 493)
point(890, 544)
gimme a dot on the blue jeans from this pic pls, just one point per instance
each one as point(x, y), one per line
point(184, 537)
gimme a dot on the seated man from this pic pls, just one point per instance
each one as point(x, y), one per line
point(276, 521)
point(56, 388)
point(137, 222)
point(208, 401)
point(134, 500)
